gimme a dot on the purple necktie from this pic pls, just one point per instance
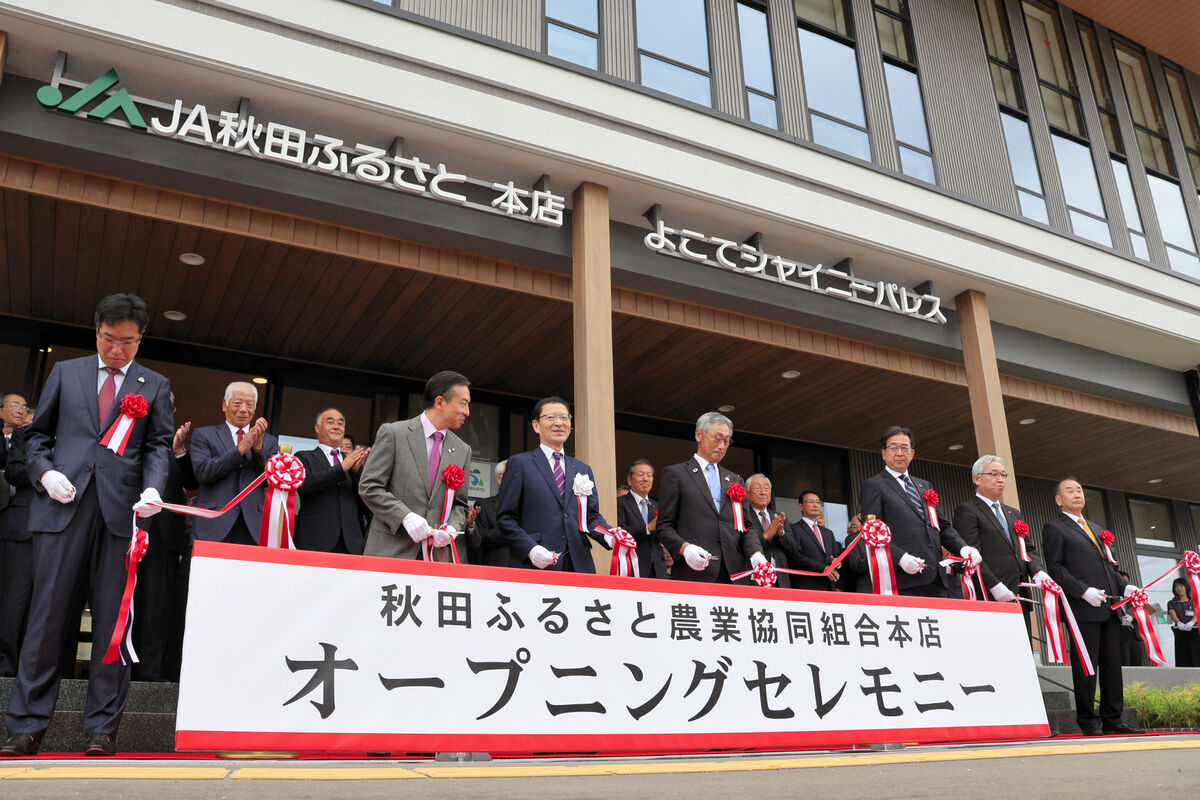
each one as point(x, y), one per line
point(337, 460)
point(559, 475)
point(435, 457)
point(108, 392)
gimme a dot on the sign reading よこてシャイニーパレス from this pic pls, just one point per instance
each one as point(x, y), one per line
point(297, 650)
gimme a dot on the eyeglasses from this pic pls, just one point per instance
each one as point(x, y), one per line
point(104, 337)
point(556, 417)
point(899, 448)
point(21, 406)
point(719, 439)
point(994, 474)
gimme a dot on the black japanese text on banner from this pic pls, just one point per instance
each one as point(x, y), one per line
point(296, 650)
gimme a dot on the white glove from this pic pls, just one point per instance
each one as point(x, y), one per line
point(1041, 577)
point(1003, 594)
point(757, 559)
point(1179, 626)
point(1127, 620)
point(541, 557)
point(417, 527)
point(1093, 597)
point(441, 538)
point(911, 564)
point(970, 552)
point(1191, 626)
point(609, 541)
point(1130, 589)
point(141, 507)
point(696, 557)
point(57, 486)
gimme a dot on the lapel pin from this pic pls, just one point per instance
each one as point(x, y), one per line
point(141, 380)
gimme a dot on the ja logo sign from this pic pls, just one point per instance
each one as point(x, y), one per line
point(52, 97)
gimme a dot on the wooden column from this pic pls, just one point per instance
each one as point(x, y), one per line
point(983, 384)
point(3, 52)
point(591, 293)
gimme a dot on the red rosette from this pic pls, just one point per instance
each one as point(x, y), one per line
point(764, 574)
point(623, 538)
point(454, 477)
point(134, 406)
point(736, 492)
point(284, 472)
point(931, 497)
point(1051, 586)
point(1021, 528)
point(1107, 537)
point(876, 533)
point(1191, 562)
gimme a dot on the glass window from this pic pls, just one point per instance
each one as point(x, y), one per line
point(572, 31)
point(895, 36)
point(583, 14)
point(1081, 189)
point(1160, 594)
point(1053, 65)
point(756, 65)
point(1002, 59)
point(917, 165)
point(673, 44)
point(1020, 153)
point(1144, 107)
point(298, 414)
point(908, 117)
point(1152, 522)
point(831, 14)
point(1094, 508)
point(1033, 206)
point(851, 141)
point(1172, 217)
point(1185, 112)
point(1133, 219)
point(1100, 85)
point(831, 78)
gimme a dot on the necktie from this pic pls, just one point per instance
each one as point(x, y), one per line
point(913, 494)
point(337, 460)
point(1083, 524)
point(766, 522)
point(1003, 522)
point(240, 435)
point(714, 485)
point(645, 504)
point(559, 476)
point(435, 457)
point(108, 391)
point(817, 533)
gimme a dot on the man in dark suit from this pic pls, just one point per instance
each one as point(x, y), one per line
point(987, 524)
point(329, 518)
point(693, 502)
point(898, 499)
point(163, 574)
point(16, 542)
point(487, 545)
point(815, 546)
point(1075, 560)
point(637, 513)
point(226, 459)
point(774, 535)
point(538, 511)
point(83, 523)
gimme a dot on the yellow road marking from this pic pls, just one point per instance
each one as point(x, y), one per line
point(531, 771)
point(291, 773)
point(121, 773)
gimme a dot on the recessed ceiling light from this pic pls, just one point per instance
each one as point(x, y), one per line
point(725, 409)
point(191, 259)
point(1027, 421)
point(957, 446)
point(1154, 480)
point(790, 374)
point(175, 316)
point(259, 381)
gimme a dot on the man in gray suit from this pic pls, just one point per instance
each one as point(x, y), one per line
point(402, 480)
point(83, 523)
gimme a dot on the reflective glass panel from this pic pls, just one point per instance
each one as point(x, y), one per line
point(756, 48)
point(1139, 89)
point(580, 13)
point(831, 14)
point(850, 141)
point(676, 80)
point(1033, 206)
point(570, 45)
point(762, 110)
point(1090, 228)
point(1184, 110)
point(1020, 153)
point(908, 112)
point(1154, 152)
point(1151, 522)
point(831, 77)
point(1062, 111)
point(1133, 220)
point(1172, 217)
point(1004, 81)
point(1187, 263)
point(1049, 50)
point(1112, 134)
point(675, 29)
point(1078, 175)
point(894, 36)
point(995, 31)
point(1091, 54)
point(917, 165)
point(1140, 249)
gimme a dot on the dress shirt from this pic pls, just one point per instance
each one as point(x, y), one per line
point(429, 428)
point(102, 375)
point(549, 452)
point(328, 451)
point(233, 432)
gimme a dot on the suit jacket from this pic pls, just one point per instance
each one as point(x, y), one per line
point(882, 497)
point(531, 511)
point(223, 472)
point(174, 530)
point(1076, 564)
point(686, 515)
point(14, 521)
point(488, 545)
point(1002, 562)
point(65, 436)
point(394, 482)
point(779, 551)
point(651, 563)
point(813, 557)
point(328, 505)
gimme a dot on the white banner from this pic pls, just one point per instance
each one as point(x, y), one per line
point(293, 650)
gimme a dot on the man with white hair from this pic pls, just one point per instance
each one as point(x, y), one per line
point(226, 459)
point(694, 502)
point(770, 527)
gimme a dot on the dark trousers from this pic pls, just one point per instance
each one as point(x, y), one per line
point(241, 534)
point(1187, 648)
point(935, 589)
point(1103, 641)
point(159, 604)
point(16, 586)
point(85, 552)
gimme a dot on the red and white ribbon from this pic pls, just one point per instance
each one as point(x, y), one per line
point(582, 488)
point(764, 574)
point(122, 633)
point(878, 537)
point(931, 501)
point(737, 493)
point(1052, 596)
point(1107, 539)
point(454, 477)
point(1022, 530)
point(1138, 599)
point(133, 408)
point(624, 557)
point(428, 549)
point(285, 474)
point(1191, 563)
point(825, 573)
point(970, 571)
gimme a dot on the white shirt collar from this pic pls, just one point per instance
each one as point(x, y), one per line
point(897, 475)
point(639, 497)
point(101, 365)
point(988, 503)
point(233, 430)
point(427, 426)
point(1072, 516)
point(704, 462)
